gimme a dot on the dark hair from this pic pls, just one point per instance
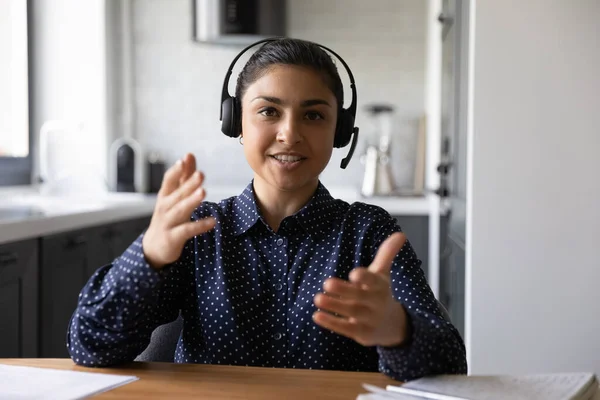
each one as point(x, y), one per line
point(289, 51)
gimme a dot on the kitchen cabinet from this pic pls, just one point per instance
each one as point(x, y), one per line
point(108, 242)
point(416, 229)
point(41, 278)
point(453, 157)
point(40, 282)
point(62, 274)
point(452, 263)
point(452, 275)
point(68, 260)
point(19, 299)
point(453, 285)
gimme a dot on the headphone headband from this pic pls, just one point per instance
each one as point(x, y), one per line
point(350, 111)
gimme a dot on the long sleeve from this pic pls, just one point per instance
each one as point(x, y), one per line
point(434, 346)
point(122, 303)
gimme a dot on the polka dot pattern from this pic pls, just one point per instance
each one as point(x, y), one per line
point(246, 295)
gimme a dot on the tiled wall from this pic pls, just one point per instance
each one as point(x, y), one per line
point(177, 82)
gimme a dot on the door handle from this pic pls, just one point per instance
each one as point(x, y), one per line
point(75, 241)
point(111, 234)
point(442, 192)
point(444, 167)
point(444, 19)
point(8, 259)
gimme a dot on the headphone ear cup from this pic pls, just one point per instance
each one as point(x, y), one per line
point(230, 125)
point(343, 132)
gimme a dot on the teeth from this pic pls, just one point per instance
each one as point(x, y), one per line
point(286, 158)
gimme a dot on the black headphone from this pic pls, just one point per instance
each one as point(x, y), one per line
point(344, 130)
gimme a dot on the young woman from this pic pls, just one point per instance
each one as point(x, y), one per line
point(283, 275)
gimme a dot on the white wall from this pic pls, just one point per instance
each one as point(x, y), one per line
point(534, 300)
point(69, 72)
point(177, 83)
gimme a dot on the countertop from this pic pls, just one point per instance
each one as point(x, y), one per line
point(25, 213)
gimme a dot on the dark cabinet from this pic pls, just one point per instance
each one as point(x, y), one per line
point(68, 260)
point(126, 233)
point(416, 229)
point(452, 263)
point(452, 270)
point(40, 282)
point(19, 299)
point(100, 249)
point(62, 275)
point(452, 280)
point(110, 241)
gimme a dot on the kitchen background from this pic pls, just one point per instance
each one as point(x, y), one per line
point(177, 82)
point(141, 74)
point(101, 70)
point(528, 125)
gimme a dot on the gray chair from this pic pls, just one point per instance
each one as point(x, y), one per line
point(444, 312)
point(163, 341)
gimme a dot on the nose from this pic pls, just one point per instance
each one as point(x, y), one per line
point(289, 131)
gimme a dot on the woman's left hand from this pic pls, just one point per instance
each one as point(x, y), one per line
point(363, 308)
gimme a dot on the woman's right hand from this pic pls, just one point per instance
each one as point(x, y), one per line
point(170, 228)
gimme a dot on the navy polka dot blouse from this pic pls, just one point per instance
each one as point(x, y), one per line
point(246, 295)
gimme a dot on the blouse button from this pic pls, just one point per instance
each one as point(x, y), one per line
point(279, 242)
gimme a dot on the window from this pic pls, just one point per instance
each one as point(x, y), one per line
point(15, 149)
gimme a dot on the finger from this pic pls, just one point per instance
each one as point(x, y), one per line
point(194, 182)
point(171, 179)
point(345, 307)
point(387, 251)
point(338, 325)
point(184, 232)
point(189, 167)
point(341, 288)
point(366, 279)
point(182, 211)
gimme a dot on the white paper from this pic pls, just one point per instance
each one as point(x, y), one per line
point(528, 387)
point(24, 383)
point(377, 393)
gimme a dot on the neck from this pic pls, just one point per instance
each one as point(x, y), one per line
point(276, 204)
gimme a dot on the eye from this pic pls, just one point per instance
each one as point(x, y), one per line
point(268, 112)
point(314, 115)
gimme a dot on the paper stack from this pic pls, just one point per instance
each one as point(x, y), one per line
point(563, 386)
point(23, 383)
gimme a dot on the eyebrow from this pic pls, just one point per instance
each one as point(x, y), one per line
point(305, 103)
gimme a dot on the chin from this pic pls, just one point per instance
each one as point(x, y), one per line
point(290, 185)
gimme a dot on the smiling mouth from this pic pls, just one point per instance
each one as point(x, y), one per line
point(287, 158)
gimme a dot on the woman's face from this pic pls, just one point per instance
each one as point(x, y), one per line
point(288, 126)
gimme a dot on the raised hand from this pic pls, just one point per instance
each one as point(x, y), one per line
point(180, 193)
point(363, 308)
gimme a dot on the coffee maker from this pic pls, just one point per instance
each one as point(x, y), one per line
point(126, 166)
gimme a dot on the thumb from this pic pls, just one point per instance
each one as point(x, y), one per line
point(382, 264)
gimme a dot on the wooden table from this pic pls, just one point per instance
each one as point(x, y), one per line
point(197, 381)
